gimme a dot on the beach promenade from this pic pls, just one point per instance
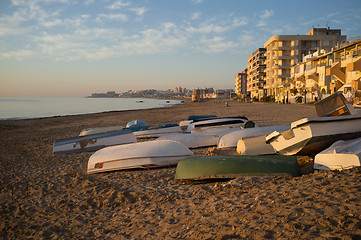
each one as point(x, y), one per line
point(52, 197)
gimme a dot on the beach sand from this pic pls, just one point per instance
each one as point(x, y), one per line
point(51, 197)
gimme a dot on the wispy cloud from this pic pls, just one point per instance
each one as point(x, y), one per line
point(216, 45)
point(196, 15)
point(118, 4)
point(139, 11)
point(197, 1)
point(119, 16)
point(19, 54)
point(208, 28)
point(264, 16)
point(333, 14)
point(237, 22)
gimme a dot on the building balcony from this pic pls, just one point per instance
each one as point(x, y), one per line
point(336, 72)
point(277, 66)
point(285, 57)
point(299, 74)
point(286, 48)
point(283, 75)
point(313, 77)
point(310, 71)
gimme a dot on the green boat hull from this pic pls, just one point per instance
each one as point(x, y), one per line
point(208, 167)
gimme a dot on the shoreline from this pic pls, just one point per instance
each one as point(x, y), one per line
point(166, 103)
point(46, 196)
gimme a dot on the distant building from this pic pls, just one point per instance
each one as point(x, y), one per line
point(256, 73)
point(223, 93)
point(196, 96)
point(110, 94)
point(241, 84)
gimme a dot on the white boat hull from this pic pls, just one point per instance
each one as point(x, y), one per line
point(91, 131)
point(138, 155)
point(339, 156)
point(193, 140)
point(310, 136)
point(231, 139)
point(157, 132)
point(94, 142)
point(217, 123)
point(254, 146)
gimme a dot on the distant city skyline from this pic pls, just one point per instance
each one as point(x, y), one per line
point(65, 48)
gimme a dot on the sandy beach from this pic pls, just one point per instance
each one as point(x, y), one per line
point(52, 197)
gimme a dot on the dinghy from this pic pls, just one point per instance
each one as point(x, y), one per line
point(136, 124)
point(158, 131)
point(254, 146)
point(184, 124)
point(94, 142)
point(205, 124)
point(335, 105)
point(310, 136)
point(231, 139)
point(339, 156)
point(208, 167)
point(90, 131)
point(138, 155)
point(193, 140)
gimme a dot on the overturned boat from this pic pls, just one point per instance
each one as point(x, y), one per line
point(149, 154)
point(90, 131)
point(231, 139)
point(184, 124)
point(216, 167)
point(94, 142)
point(254, 146)
point(158, 131)
point(136, 124)
point(193, 140)
point(219, 122)
point(310, 136)
point(339, 156)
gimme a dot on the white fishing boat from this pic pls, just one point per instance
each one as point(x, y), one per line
point(90, 131)
point(94, 142)
point(204, 124)
point(310, 136)
point(254, 146)
point(231, 139)
point(138, 155)
point(184, 124)
point(339, 156)
point(158, 131)
point(193, 140)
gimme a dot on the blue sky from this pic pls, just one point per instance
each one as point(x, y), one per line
point(75, 47)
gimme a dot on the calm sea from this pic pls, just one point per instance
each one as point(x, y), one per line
point(22, 108)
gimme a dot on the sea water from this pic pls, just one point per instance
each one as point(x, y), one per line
point(23, 108)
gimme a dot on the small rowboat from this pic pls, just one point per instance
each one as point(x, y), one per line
point(205, 124)
point(231, 139)
point(158, 131)
point(149, 154)
point(254, 146)
point(214, 167)
point(339, 156)
point(94, 142)
point(193, 140)
point(90, 131)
